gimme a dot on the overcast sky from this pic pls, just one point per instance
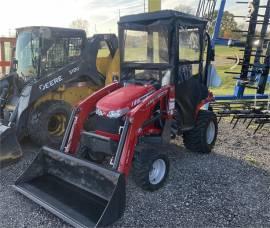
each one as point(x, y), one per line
point(101, 14)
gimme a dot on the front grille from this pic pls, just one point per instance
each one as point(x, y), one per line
point(105, 124)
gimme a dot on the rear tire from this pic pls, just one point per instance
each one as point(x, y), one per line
point(47, 123)
point(150, 169)
point(203, 136)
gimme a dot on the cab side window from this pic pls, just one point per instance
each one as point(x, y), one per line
point(189, 45)
point(103, 50)
point(74, 47)
point(103, 58)
point(189, 52)
point(62, 51)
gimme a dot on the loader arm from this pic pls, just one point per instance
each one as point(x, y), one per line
point(83, 109)
point(137, 117)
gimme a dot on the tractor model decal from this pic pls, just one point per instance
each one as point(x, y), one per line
point(74, 70)
point(51, 83)
point(140, 99)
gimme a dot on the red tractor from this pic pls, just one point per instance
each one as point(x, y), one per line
point(162, 93)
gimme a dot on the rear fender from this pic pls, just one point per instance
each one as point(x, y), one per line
point(83, 109)
point(204, 103)
point(137, 117)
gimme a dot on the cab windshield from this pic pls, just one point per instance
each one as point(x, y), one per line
point(27, 54)
point(146, 46)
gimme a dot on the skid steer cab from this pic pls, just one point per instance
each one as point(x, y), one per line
point(161, 94)
point(53, 69)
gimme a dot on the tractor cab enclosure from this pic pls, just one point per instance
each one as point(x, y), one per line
point(166, 47)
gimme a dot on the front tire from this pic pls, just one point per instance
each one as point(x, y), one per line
point(47, 123)
point(150, 169)
point(203, 136)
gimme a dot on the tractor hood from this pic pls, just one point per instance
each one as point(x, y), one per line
point(122, 100)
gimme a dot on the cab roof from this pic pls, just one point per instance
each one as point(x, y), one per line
point(54, 30)
point(145, 18)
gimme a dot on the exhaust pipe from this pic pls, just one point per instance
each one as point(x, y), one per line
point(80, 192)
point(10, 149)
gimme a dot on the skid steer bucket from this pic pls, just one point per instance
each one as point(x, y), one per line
point(81, 193)
point(10, 149)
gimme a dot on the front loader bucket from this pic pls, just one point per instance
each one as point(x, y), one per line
point(81, 193)
point(10, 149)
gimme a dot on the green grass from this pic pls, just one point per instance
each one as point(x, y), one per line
point(226, 51)
point(223, 64)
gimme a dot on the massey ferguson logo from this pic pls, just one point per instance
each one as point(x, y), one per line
point(51, 83)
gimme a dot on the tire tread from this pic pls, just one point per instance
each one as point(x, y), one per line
point(141, 165)
point(194, 139)
point(36, 122)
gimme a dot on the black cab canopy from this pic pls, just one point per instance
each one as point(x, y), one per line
point(166, 24)
point(148, 18)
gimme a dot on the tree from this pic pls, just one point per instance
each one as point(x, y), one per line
point(80, 24)
point(184, 8)
point(228, 25)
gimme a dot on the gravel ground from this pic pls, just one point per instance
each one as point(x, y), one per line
point(229, 187)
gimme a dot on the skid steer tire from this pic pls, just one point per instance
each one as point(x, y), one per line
point(47, 123)
point(203, 136)
point(150, 169)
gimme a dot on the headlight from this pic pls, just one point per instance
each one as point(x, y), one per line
point(99, 112)
point(117, 113)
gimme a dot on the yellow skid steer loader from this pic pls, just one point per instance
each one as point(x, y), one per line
point(52, 70)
